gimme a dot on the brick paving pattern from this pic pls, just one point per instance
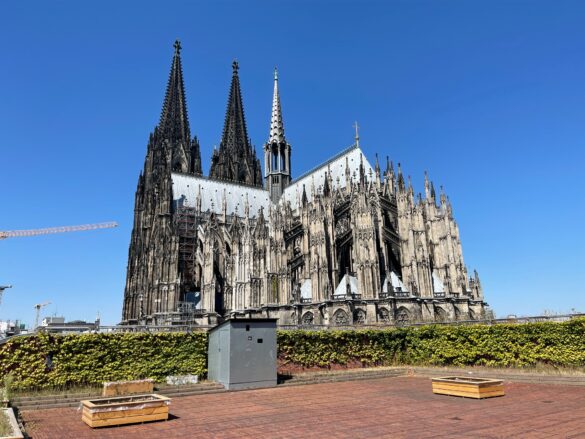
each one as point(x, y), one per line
point(402, 407)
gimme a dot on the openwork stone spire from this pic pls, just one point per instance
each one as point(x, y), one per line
point(174, 123)
point(236, 159)
point(276, 124)
point(277, 151)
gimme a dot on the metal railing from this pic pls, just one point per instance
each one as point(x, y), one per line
point(387, 325)
point(316, 327)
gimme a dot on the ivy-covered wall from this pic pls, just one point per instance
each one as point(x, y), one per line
point(45, 361)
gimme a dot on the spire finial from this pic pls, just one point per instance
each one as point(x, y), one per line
point(275, 73)
point(357, 134)
point(235, 66)
point(177, 46)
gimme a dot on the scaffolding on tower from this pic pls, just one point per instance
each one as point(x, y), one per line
point(186, 312)
point(186, 223)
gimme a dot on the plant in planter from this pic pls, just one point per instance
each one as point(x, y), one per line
point(5, 427)
point(9, 428)
point(6, 391)
point(8, 425)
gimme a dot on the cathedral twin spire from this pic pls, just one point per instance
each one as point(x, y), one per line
point(173, 126)
point(235, 132)
point(174, 122)
point(236, 158)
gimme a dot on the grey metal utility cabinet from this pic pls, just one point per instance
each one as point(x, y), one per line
point(242, 353)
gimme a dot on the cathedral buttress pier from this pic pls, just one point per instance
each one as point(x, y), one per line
point(344, 244)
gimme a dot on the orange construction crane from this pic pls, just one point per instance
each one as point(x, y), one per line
point(50, 230)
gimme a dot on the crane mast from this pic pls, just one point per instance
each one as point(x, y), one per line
point(38, 308)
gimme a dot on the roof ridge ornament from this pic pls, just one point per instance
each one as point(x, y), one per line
point(357, 134)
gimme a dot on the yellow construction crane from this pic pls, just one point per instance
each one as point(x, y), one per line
point(38, 307)
point(50, 230)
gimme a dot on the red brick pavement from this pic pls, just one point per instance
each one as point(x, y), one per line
point(379, 408)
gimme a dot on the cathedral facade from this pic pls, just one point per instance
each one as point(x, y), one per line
point(345, 244)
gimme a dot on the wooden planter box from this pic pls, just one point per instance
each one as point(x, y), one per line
point(119, 388)
point(469, 387)
point(121, 410)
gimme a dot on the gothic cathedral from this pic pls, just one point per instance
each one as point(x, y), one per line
point(344, 244)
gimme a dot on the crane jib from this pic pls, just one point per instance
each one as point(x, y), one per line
point(51, 230)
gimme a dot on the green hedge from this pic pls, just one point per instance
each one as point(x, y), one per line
point(506, 345)
point(45, 361)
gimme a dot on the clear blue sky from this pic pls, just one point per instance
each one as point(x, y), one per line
point(488, 96)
